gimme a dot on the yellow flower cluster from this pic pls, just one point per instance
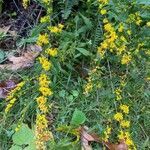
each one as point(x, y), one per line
point(25, 3)
point(121, 116)
point(107, 134)
point(91, 79)
point(118, 93)
point(46, 65)
point(42, 39)
point(11, 96)
point(44, 87)
point(52, 51)
point(135, 18)
point(110, 38)
point(46, 1)
point(42, 134)
point(45, 19)
point(127, 137)
point(118, 116)
point(126, 59)
point(124, 108)
point(56, 29)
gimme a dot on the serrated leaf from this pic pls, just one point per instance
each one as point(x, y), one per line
point(24, 136)
point(83, 51)
point(78, 118)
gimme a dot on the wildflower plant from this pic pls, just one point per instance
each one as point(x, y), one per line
point(93, 66)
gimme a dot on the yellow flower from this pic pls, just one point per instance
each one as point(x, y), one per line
point(46, 65)
point(45, 91)
point(121, 135)
point(121, 27)
point(125, 124)
point(45, 19)
point(10, 105)
point(129, 142)
point(118, 92)
point(42, 39)
point(43, 80)
point(56, 29)
point(52, 52)
point(41, 101)
point(103, 11)
point(106, 134)
point(61, 26)
point(129, 32)
point(124, 108)
point(46, 1)
point(105, 20)
point(103, 1)
point(148, 24)
point(25, 3)
point(118, 116)
point(108, 27)
point(126, 59)
point(41, 121)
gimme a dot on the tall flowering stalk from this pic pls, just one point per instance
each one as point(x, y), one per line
point(42, 132)
point(12, 96)
point(115, 42)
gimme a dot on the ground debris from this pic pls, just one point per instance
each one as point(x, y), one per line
point(24, 61)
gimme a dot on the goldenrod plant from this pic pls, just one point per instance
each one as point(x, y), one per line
point(93, 71)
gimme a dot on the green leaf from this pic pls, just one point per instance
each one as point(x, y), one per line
point(75, 93)
point(145, 2)
point(62, 93)
point(24, 136)
point(78, 118)
point(87, 21)
point(15, 147)
point(83, 51)
point(2, 56)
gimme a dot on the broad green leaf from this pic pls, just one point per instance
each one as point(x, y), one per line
point(78, 118)
point(32, 146)
point(23, 136)
point(15, 147)
point(87, 21)
point(83, 51)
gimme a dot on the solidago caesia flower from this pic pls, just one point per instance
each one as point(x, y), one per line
point(52, 52)
point(43, 39)
point(107, 134)
point(42, 134)
point(46, 65)
point(25, 3)
point(118, 93)
point(103, 11)
point(125, 123)
point(124, 108)
point(127, 137)
point(46, 1)
point(11, 96)
point(56, 29)
point(45, 19)
point(126, 59)
point(118, 116)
